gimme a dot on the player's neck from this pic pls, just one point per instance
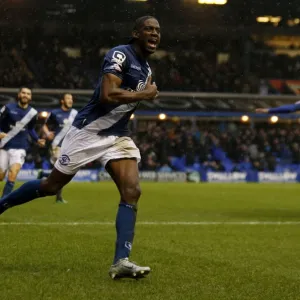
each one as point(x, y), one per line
point(24, 106)
point(65, 108)
point(139, 52)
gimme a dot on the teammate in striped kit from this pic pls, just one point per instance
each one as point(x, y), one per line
point(60, 121)
point(100, 132)
point(17, 120)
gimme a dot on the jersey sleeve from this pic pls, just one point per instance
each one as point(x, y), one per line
point(285, 108)
point(51, 119)
point(31, 128)
point(115, 62)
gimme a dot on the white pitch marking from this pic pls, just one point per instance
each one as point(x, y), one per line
point(152, 223)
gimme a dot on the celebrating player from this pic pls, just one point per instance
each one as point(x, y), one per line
point(61, 120)
point(16, 121)
point(100, 132)
point(289, 108)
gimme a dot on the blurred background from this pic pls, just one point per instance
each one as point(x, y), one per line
point(218, 61)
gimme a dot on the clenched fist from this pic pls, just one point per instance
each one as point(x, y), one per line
point(2, 135)
point(41, 142)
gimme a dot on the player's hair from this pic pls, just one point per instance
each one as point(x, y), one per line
point(64, 95)
point(138, 24)
point(24, 87)
point(20, 89)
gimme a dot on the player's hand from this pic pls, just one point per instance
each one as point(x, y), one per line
point(50, 135)
point(41, 142)
point(2, 135)
point(151, 91)
point(262, 110)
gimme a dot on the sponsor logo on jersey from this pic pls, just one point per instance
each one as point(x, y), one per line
point(118, 57)
point(132, 66)
point(141, 86)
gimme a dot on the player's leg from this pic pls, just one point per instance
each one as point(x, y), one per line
point(53, 158)
point(46, 174)
point(13, 172)
point(54, 155)
point(16, 159)
point(3, 165)
point(75, 149)
point(35, 189)
point(125, 174)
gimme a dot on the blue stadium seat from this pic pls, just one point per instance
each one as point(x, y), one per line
point(178, 163)
point(228, 165)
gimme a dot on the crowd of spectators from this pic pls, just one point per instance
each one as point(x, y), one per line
point(167, 146)
point(198, 64)
point(219, 147)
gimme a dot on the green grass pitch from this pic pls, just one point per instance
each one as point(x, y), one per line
point(63, 252)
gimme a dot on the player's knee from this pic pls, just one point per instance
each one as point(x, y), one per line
point(12, 176)
point(2, 176)
point(131, 194)
point(49, 188)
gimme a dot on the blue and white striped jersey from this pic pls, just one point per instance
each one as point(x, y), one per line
point(112, 119)
point(17, 122)
point(61, 121)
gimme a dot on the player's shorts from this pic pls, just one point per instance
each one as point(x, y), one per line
point(11, 157)
point(81, 147)
point(54, 154)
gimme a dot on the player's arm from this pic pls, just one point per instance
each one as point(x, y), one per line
point(3, 115)
point(115, 66)
point(33, 133)
point(289, 108)
point(111, 91)
point(45, 128)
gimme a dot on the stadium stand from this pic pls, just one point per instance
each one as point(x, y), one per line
point(209, 146)
point(71, 61)
point(206, 64)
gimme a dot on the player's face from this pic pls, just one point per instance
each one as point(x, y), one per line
point(68, 101)
point(24, 96)
point(149, 36)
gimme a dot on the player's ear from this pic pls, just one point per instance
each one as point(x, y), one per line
point(135, 34)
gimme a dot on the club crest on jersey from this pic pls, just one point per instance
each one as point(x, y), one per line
point(141, 86)
point(118, 57)
point(64, 160)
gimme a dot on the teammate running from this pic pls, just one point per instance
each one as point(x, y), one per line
point(17, 120)
point(60, 120)
point(100, 132)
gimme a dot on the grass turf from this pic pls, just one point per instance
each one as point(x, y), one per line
point(224, 261)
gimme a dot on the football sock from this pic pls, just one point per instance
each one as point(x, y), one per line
point(125, 224)
point(27, 192)
point(59, 195)
point(9, 186)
